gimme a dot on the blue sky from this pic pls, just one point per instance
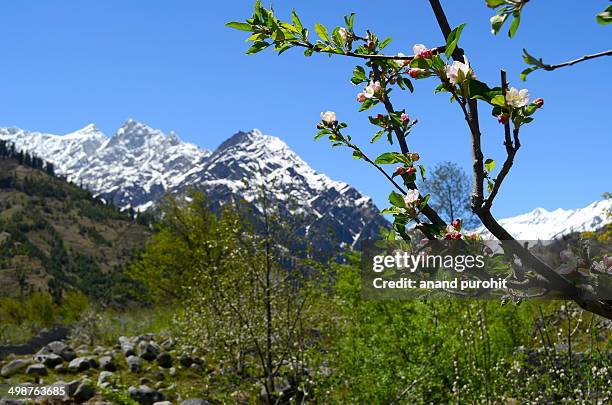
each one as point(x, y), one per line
point(174, 66)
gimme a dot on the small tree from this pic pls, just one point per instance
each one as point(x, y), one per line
point(449, 187)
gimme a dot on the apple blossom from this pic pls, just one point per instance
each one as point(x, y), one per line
point(473, 236)
point(457, 224)
point(343, 34)
point(404, 117)
point(410, 170)
point(517, 98)
point(450, 229)
point(415, 72)
point(411, 197)
point(329, 117)
point(361, 97)
point(459, 72)
point(539, 102)
point(421, 51)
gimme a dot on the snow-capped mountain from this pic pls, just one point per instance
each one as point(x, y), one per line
point(541, 224)
point(138, 164)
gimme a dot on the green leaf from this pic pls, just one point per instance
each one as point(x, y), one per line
point(308, 52)
point(525, 72)
point(490, 185)
point(257, 47)
point(420, 63)
point(451, 41)
point(388, 158)
point(478, 89)
point(321, 133)
point(495, 3)
point(391, 210)
point(359, 75)
point(357, 155)
point(322, 32)
point(397, 200)
point(384, 43)
point(514, 26)
point(605, 17)
point(366, 105)
point(489, 165)
point(424, 202)
point(442, 88)
point(498, 101)
point(422, 170)
point(240, 26)
point(377, 135)
point(296, 20)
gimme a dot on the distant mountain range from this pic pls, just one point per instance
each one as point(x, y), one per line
point(546, 225)
point(139, 164)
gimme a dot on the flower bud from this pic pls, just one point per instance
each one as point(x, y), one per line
point(320, 126)
point(410, 170)
point(415, 72)
point(371, 45)
point(399, 171)
point(380, 116)
point(405, 118)
point(502, 118)
point(414, 157)
point(539, 102)
point(457, 224)
point(361, 97)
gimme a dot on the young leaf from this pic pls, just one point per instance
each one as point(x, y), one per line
point(494, 3)
point(388, 158)
point(322, 32)
point(366, 105)
point(497, 21)
point(296, 20)
point(605, 17)
point(391, 210)
point(422, 170)
point(239, 26)
point(377, 135)
point(359, 75)
point(384, 43)
point(397, 200)
point(489, 165)
point(499, 101)
point(514, 26)
point(257, 47)
point(451, 41)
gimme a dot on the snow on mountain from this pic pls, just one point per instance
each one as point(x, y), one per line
point(541, 224)
point(139, 164)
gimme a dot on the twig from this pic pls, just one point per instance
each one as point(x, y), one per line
point(574, 61)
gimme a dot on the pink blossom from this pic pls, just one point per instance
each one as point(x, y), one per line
point(329, 117)
point(421, 51)
point(459, 72)
point(361, 97)
point(411, 197)
point(404, 117)
point(415, 72)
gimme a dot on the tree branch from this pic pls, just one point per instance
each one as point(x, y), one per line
point(582, 59)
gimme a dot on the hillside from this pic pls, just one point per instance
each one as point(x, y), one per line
point(55, 236)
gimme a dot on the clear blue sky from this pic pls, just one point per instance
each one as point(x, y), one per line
point(174, 66)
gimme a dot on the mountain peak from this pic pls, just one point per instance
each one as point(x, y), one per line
point(88, 131)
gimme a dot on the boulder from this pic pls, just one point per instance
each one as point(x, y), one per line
point(37, 369)
point(148, 350)
point(50, 360)
point(134, 364)
point(145, 395)
point(105, 377)
point(60, 348)
point(79, 364)
point(108, 363)
point(127, 347)
point(14, 367)
point(164, 360)
point(84, 392)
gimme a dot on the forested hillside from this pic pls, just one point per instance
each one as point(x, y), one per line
point(55, 236)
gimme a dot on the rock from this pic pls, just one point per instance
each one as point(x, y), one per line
point(144, 381)
point(164, 360)
point(127, 347)
point(84, 392)
point(60, 368)
point(148, 350)
point(59, 348)
point(72, 387)
point(145, 395)
point(79, 364)
point(82, 350)
point(37, 369)
point(168, 344)
point(14, 367)
point(185, 360)
point(195, 401)
point(94, 363)
point(105, 377)
point(134, 364)
point(108, 363)
point(13, 401)
point(196, 367)
point(50, 360)
point(163, 403)
point(172, 371)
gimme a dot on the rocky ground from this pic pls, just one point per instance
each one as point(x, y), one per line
point(143, 369)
